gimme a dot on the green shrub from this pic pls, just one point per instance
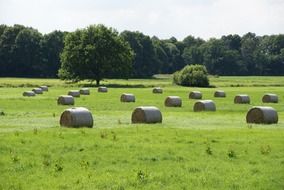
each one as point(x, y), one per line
point(192, 75)
point(176, 77)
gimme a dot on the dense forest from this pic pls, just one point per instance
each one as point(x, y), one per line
point(25, 52)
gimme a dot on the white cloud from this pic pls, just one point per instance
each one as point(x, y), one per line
point(164, 18)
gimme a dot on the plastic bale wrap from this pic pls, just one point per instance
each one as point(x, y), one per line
point(76, 117)
point(102, 89)
point(195, 95)
point(65, 100)
point(157, 90)
point(204, 105)
point(29, 93)
point(242, 99)
point(85, 91)
point(219, 94)
point(125, 97)
point(270, 98)
point(173, 101)
point(37, 91)
point(74, 93)
point(44, 88)
point(262, 115)
point(146, 114)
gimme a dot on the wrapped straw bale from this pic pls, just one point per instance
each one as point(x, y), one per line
point(65, 100)
point(157, 90)
point(29, 93)
point(37, 90)
point(127, 97)
point(219, 94)
point(270, 98)
point(173, 101)
point(242, 99)
point(262, 115)
point(74, 93)
point(85, 91)
point(44, 88)
point(146, 114)
point(195, 95)
point(76, 117)
point(102, 89)
point(204, 105)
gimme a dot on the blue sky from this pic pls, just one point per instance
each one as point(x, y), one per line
point(163, 18)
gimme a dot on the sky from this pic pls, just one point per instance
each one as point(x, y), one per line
point(162, 18)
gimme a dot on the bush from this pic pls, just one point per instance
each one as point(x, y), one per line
point(192, 75)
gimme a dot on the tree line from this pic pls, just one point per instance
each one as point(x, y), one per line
point(25, 52)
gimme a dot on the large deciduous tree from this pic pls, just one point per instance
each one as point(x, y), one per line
point(95, 53)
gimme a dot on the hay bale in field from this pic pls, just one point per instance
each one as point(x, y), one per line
point(219, 94)
point(173, 101)
point(76, 117)
point(65, 100)
point(242, 99)
point(127, 97)
point(195, 95)
point(29, 93)
point(85, 91)
point(146, 114)
point(74, 93)
point(270, 98)
point(44, 88)
point(102, 89)
point(37, 91)
point(204, 105)
point(157, 90)
point(262, 115)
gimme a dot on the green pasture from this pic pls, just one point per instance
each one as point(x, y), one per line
point(205, 150)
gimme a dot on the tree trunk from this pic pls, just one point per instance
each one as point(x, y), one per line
point(98, 82)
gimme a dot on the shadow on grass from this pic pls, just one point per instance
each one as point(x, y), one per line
point(117, 85)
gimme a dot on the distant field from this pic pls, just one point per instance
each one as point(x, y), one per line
point(158, 80)
point(189, 150)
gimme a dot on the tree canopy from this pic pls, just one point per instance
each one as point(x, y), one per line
point(95, 53)
point(25, 52)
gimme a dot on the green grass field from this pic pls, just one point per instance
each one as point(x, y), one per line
point(207, 150)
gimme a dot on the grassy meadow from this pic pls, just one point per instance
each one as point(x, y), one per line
point(205, 150)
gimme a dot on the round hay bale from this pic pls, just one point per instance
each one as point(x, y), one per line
point(85, 91)
point(195, 95)
point(173, 101)
point(102, 89)
point(157, 90)
point(44, 88)
point(270, 98)
point(127, 98)
point(219, 94)
point(204, 105)
point(37, 91)
point(29, 93)
point(76, 117)
point(262, 115)
point(65, 100)
point(242, 99)
point(74, 93)
point(146, 114)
